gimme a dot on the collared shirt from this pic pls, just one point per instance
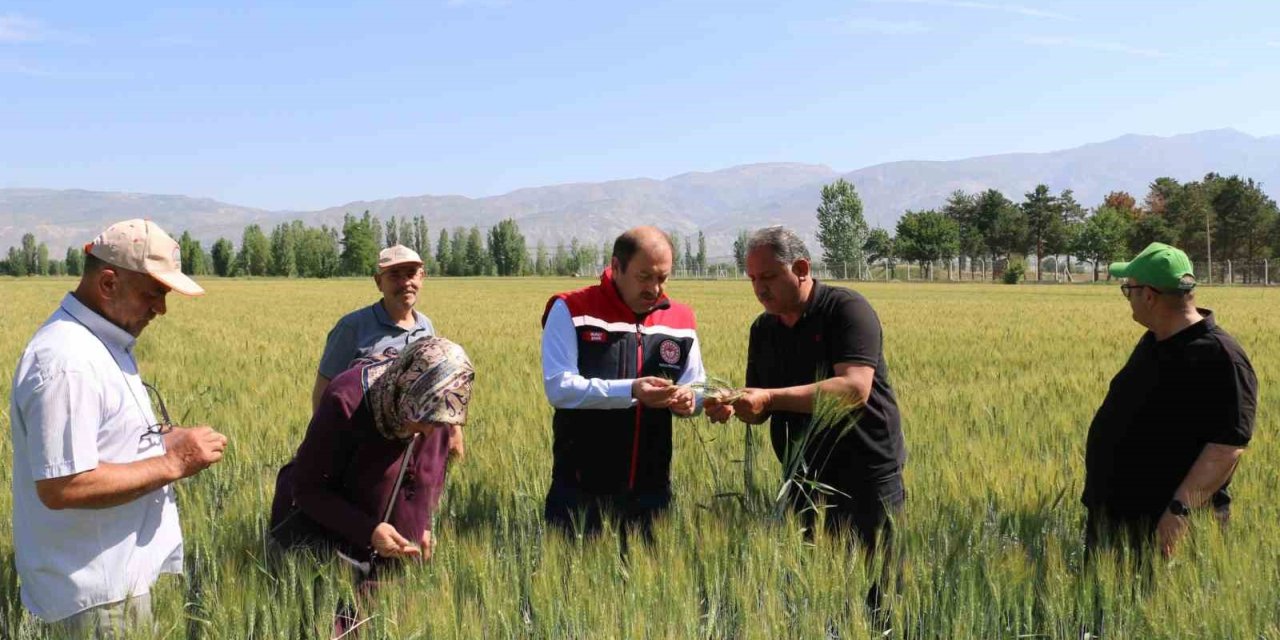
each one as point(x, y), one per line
point(78, 400)
point(365, 332)
point(1173, 397)
point(567, 389)
point(838, 326)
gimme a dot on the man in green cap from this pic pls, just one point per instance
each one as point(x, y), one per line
point(1177, 417)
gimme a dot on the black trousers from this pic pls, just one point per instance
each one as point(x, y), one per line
point(864, 511)
point(1103, 531)
point(577, 512)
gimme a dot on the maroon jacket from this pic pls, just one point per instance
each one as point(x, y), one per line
point(335, 490)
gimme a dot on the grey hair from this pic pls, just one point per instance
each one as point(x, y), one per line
point(786, 245)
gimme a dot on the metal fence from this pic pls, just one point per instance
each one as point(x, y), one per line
point(1228, 272)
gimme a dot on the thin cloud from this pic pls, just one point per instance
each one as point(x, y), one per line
point(16, 29)
point(15, 67)
point(176, 41)
point(1002, 7)
point(20, 69)
point(1275, 44)
point(1094, 45)
point(477, 3)
point(885, 27)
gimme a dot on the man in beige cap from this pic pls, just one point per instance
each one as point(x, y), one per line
point(94, 517)
point(390, 323)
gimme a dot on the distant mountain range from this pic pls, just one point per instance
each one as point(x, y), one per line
point(718, 202)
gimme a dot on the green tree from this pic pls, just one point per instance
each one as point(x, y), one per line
point(1044, 221)
point(17, 264)
point(842, 229)
point(1150, 228)
point(584, 257)
point(359, 245)
point(740, 250)
point(458, 260)
point(573, 262)
point(1244, 215)
point(375, 227)
point(30, 255)
point(255, 252)
point(42, 259)
point(317, 254)
point(1071, 217)
point(1275, 247)
point(1009, 234)
point(409, 239)
point(962, 208)
point(444, 253)
point(1104, 237)
point(223, 255)
point(75, 261)
point(677, 257)
point(284, 251)
point(1000, 224)
point(391, 236)
point(927, 236)
point(560, 261)
point(879, 247)
point(700, 260)
point(507, 248)
point(541, 261)
point(192, 254)
point(1172, 212)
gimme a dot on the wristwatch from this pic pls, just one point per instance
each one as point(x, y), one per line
point(1179, 508)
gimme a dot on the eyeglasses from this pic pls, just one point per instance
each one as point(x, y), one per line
point(166, 423)
point(1126, 288)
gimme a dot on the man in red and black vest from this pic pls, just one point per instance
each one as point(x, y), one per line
point(616, 361)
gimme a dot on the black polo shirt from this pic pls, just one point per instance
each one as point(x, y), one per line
point(1172, 398)
point(838, 326)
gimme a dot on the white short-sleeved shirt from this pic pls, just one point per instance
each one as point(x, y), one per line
point(78, 400)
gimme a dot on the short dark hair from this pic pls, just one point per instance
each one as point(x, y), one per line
point(93, 263)
point(627, 244)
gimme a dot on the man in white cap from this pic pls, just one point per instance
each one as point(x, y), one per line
point(390, 323)
point(94, 517)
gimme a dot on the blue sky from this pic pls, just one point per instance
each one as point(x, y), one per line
point(276, 106)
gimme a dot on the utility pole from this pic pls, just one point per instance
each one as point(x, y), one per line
point(1208, 245)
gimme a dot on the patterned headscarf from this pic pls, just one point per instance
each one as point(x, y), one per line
point(430, 381)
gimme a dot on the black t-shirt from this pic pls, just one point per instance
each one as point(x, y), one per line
point(1172, 398)
point(838, 326)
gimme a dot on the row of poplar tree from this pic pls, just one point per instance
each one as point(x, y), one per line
point(293, 249)
point(1217, 218)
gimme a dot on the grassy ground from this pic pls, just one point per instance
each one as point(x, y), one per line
point(997, 386)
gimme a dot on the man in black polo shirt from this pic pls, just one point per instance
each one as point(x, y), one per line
point(1177, 417)
point(814, 339)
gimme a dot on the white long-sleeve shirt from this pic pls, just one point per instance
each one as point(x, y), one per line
point(566, 388)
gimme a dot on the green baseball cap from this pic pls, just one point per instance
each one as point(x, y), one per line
point(1160, 266)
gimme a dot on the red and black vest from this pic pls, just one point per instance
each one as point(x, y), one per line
point(616, 451)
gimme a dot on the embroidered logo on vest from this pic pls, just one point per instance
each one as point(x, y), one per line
point(595, 336)
point(670, 351)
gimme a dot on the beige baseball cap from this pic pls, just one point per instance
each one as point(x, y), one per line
point(142, 246)
point(397, 254)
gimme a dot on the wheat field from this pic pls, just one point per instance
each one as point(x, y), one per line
point(996, 385)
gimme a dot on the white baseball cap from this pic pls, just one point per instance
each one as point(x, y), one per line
point(397, 254)
point(139, 245)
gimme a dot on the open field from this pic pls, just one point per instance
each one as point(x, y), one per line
point(997, 386)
